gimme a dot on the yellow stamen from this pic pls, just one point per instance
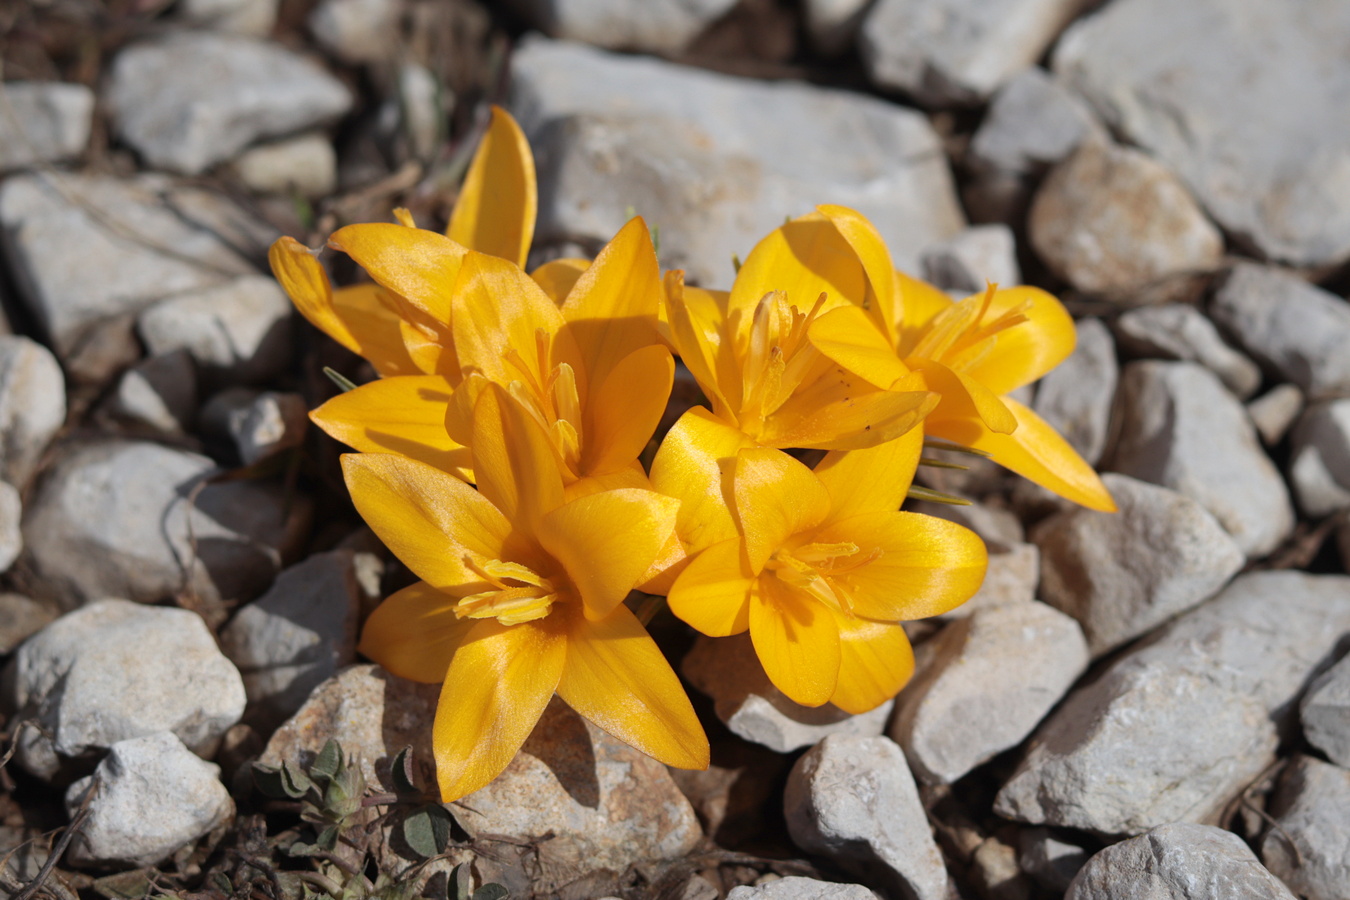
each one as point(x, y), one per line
point(550, 395)
point(960, 338)
point(816, 568)
point(778, 358)
point(517, 594)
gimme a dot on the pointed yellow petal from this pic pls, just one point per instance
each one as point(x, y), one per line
point(498, 202)
point(695, 317)
point(376, 328)
point(414, 633)
point(429, 519)
point(694, 465)
point(840, 411)
point(1023, 353)
point(616, 677)
point(514, 462)
point(965, 398)
point(925, 567)
point(712, 594)
point(630, 476)
point(776, 497)
point(404, 414)
point(847, 336)
point(607, 541)
point(920, 304)
point(306, 283)
point(557, 277)
point(625, 409)
point(611, 312)
point(1035, 451)
point(420, 266)
point(875, 479)
point(806, 257)
point(796, 640)
point(875, 662)
point(871, 250)
point(497, 686)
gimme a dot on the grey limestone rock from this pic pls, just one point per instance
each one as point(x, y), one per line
point(1179, 331)
point(304, 165)
point(983, 684)
point(296, 635)
point(853, 800)
point(1310, 850)
point(32, 405)
point(357, 31)
point(1177, 862)
point(654, 26)
point(1319, 464)
point(1325, 712)
point(1161, 75)
point(133, 519)
point(958, 51)
point(11, 517)
point(44, 122)
point(97, 676)
point(1275, 411)
point(153, 797)
point(727, 670)
point(1121, 574)
point(20, 618)
point(1295, 329)
point(832, 25)
point(1076, 397)
point(1012, 577)
point(158, 394)
point(258, 424)
point(794, 887)
point(969, 261)
point(718, 161)
point(255, 17)
point(1114, 222)
point(190, 100)
point(1183, 430)
point(1032, 123)
point(1124, 754)
point(1048, 859)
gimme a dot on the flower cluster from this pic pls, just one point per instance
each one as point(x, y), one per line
point(499, 458)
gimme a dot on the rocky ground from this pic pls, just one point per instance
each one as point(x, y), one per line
point(1141, 704)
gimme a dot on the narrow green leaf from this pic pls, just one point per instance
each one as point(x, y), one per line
point(342, 381)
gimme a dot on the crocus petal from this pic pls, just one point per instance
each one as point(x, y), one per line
point(796, 640)
point(712, 594)
point(776, 497)
point(420, 266)
point(516, 467)
point(806, 257)
point(496, 688)
point(926, 565)
point(871, 251)
point(611, 312)
point(630, 476)
point(1023, 353)
point(429, 519)
point(965, 398)
point(875, 662)
point(920, 303)
point(625, 409)
point(498, 202)
point(695, 318)
point(1035, 451)
point(607, 541)
point(617, 678)
point(377, 328)
point(847, 336)
point(306, 283)
point(875, 479)
point(414, 633)
point(840, 411)
point(558, 276)
point(694, 465)
point(404, 414)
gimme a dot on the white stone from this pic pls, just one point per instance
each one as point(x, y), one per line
point(357, 31)
point(1121, 574)
point(1177, 862)
point(1319, 464)
point(153, 797)
point(1183, 430)
point(98, 675)
point(1297, 330)
point(1114, 222)
point(260, 424)
point(193, 99)
point(425, 105)
point(1171, 731)
point(1325, 713)
point(88, 250)
point(854, 801)
point(832, 25)
point(158, 394)
point(1180, 331)
point(716, 161)
point(968, 262)
point(728, 671)
point(655, 26)
point(1049, 860)
point(252, 17)
point(238, 332)
point(1310, 848)
point(1076, 397)
point(1274, 412)
point(1187, 81)
point(43, 122)
point(32, 405)
point(1032, 123)
point(11, 514)
point(20, 618)
point(795, 887)
point(127, 518)
point(296, 635)
point(983, 684)
point(304, 166)
point(957, 51)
